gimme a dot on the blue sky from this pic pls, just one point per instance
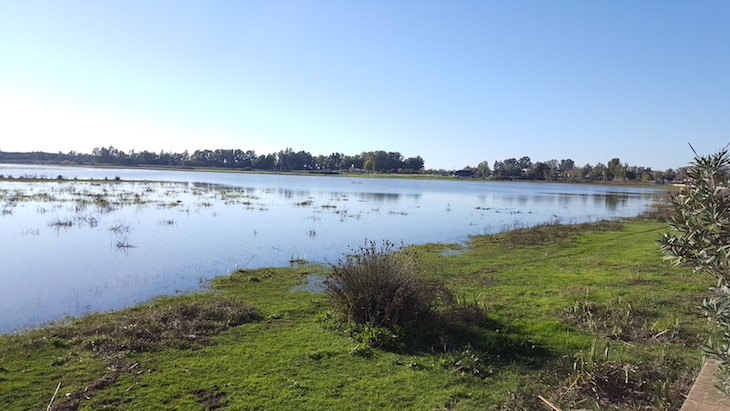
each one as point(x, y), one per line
point(455, 82)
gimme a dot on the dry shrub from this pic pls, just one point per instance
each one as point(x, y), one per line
point(380, 287)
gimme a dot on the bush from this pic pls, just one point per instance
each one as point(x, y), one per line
point(700, 239)
point(380, 288)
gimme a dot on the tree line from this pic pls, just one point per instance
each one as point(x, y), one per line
point(369, 161)
point(567, 170)
point(284, 160)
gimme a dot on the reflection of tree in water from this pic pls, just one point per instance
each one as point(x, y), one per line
point(289, 193)
point(611, 201)
point(387, 197)
point(379, 197)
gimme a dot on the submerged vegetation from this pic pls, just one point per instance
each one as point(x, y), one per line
point(583, 316)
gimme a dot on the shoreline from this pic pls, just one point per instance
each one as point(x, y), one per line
point(620, 183)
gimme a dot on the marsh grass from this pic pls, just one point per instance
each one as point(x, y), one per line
point(124, 243)
point(546, 233)
point(61, 222)
point(121, 227)
point(659, 210)
point(297, 260)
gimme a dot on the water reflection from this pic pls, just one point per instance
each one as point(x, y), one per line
point(382, 197)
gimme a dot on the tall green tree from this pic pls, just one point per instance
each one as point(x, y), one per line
point(483, 169)
point(615, 170)
point(413, 163)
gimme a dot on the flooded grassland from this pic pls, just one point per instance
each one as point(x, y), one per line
point(75, 246)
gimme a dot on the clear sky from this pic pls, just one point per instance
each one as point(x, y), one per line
point(456, 82)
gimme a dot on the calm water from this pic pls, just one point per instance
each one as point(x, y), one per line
point(75, 247)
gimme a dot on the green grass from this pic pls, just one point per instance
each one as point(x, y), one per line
point(559, 298)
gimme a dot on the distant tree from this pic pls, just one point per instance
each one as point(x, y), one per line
point(631, 173)
point(598, 172)
point(264, 162)
point(540, 171)
point(483, 169)
point(413, 163)
point(586, 170)
point(566, 165)
point(525, 163)
point(509, 168)
point(615, 170)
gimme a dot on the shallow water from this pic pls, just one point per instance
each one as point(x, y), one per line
point(63, 254)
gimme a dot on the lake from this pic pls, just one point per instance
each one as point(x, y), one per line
point(72, 247)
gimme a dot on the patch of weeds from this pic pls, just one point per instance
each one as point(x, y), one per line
point(120, 227)
point(591, 375)
point(61, 223)
point(212, 398)
point(58, 342)
point(124, 243)
point(31, 231)
point(297, 260)
point(58, 361)
point(543, 234)
point(636, 278)
point(153, 328)
point(467, 361)
point(619, 320)
point(658, 210)
point(361, 350)
point(148, 329)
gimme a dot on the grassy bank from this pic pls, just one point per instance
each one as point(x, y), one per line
point(586, 316)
